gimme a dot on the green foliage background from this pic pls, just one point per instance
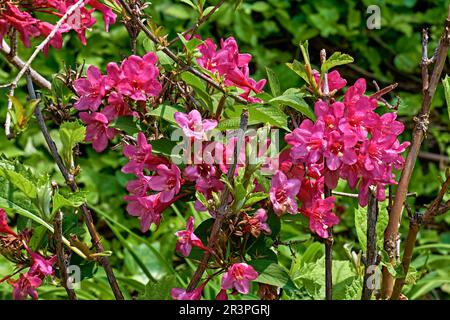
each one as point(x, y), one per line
point(271, 31)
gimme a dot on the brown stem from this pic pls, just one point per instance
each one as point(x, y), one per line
point(5, 51)
point(61, 257)
point(416, 222)
point(223, 209)
point(198, 23)
point(174, 57)
point(429, 88)
point(220, 107)
point(70, 181)
point(328, 258)
point(371, 250)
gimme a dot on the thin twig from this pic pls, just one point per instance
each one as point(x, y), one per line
point(174, 57)
point(355, 195)
point(27, 64)
point(223, 209)
point(429, 87)
point(61, 256)
point(371, 247)
point(70, 181)
point(416, 222)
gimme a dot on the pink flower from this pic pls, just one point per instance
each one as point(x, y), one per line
point(146, 208)
point(140, 155)
point(321, 216)
point(335, 81)
point(222, 295)
point(232, 65)
point(187, 239)
point(108, 15)
point(283, 192)
point(40, 266)
point(97, 129)
point(139, 77)
point(167, 180)
point(4, 227)
point(117, 106)
point(257, 223)
point(182, 294)
point(192, 124)
point(140, 186)
point(24, 286)
point(238, 277)
point(307, 141)
point(91, 90)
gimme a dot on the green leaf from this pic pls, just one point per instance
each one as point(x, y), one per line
point(336, 59)
point(193, 81)
point(274, 82)
point(273, 274)
point(71, 133)
point(269, 114)
point(20, 182)
point(127, 124)
point(446, 83)
point(361, 225)
point(160, 290)
point(166, 112)
point(299, 68)
point(73, 200)
point(296, 102)
point(21, 114)
point(305, 52)
point(255, 198)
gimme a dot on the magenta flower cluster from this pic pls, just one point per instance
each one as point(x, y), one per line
point(348, 140)
point(230, 64)
point(136, 79)
point(40, 267)
point(17, 15)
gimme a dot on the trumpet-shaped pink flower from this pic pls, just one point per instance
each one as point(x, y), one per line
point(4, 227)
point(140, 156)
point(97, 130)
point(187, 239)
point(232, 65)
point(40, 266)
point(182, 294)
point(238, 277)
point(91, 90)
point(167, 180)
point(146, 208)
point(222, 295)
point(25, 286)
point(192, 124)
point(335, 81)
point(321, 216)
point(108, 15)
point(283, 192)
point(139, 77)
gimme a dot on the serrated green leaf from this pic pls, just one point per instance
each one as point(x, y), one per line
point(299, 68)
point(127, 124)
point(166, 112)
point(296, 102)
point(73, 200)
point(255, 198)
point(269, 114)
point(273, 82)
point(70, 133)
point(273, 274)
point(336, 59)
